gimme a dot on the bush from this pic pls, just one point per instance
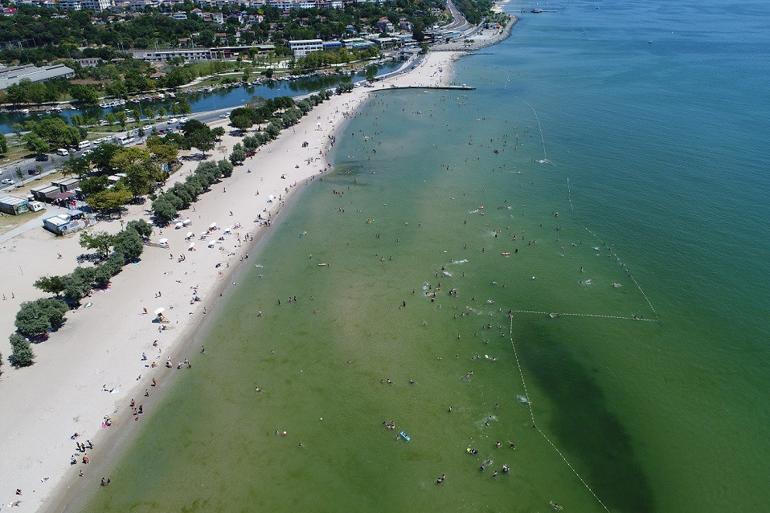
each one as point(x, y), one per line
point(78, 284)
point(102, 275)
point(163, 210)
point(36, 318)
point(22, 355)
point(115, 263)
point(129, 244)
point(250, 142)
point(140, 226)
point(175, 200)
point(180, 191)
point(225, 168)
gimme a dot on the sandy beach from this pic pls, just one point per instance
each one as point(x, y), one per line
point(109, 352)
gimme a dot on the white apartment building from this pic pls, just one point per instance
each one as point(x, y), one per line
point(69, 5)
point(302, 47)
point(96, 5)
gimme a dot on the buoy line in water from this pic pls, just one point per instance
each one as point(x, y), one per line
point(534, 424)
point(542, 138)
point(595, 316)
point(639, 287)
point(569, 196)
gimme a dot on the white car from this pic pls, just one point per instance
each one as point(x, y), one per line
point(184, 120)
point(7, 181)
point(173, 121)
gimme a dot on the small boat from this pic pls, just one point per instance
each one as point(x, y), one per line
point(404, 436)
point(505, 253)
point(323, 264)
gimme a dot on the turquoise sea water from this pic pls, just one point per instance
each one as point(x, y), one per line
point(618, 152)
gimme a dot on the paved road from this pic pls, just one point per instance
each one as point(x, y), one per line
point(458, 23)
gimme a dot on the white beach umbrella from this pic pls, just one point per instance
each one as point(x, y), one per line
point(211, 243)
point(189, 235)
point(178, 226)
point(163, 241)
point(228, 230)
point(187, 221)
point(159, 311)
point(212, 226)
point(191, 246)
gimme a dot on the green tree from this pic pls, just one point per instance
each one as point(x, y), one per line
point(371, 72)
point(79, 166)
point(36, 318)
point(140, 226)
point(238, 154)
point(3, 145)
point(51, 284)
point(56, 132)
point(35, 144)
point(84, 94)
point(163, 210)
point(163, 152)
point(99, 241)
point(122, 118)
point(102, 155)
point(110, 200)
point(22, 355)
point(93, 184)
point(129, 244)
point(241, 119)
point(102, 275)
point(225, 168)
point(142, 172)
point(197, 135)
point(78, 284)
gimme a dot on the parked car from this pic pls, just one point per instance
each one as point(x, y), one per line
point(6, 181)
point(42, 157)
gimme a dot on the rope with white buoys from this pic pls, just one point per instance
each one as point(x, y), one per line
point(542, 138)
point(628, 272)
point(594, 316)
point(537, 428)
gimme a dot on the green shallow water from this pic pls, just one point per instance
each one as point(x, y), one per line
point(669, 415)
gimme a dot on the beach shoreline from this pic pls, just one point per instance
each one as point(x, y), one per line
point(98, 348)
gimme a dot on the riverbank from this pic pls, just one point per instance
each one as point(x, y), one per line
point(93, 366)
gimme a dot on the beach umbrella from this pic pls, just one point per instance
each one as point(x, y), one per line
point(228, 230)
point(159, 311)
point(178, 226)
point(270, 198)
point(189, 235)
point(211, 243)
point(163, 242)
point(191, 246)
point(187, 221)
point(212, 226)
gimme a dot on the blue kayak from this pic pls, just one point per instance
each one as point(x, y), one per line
point(405, 437)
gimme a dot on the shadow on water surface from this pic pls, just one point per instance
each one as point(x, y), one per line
point(582, 423)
